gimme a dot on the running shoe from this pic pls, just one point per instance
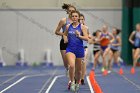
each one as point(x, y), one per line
point(132, 70)
point(82, 82)
point(72, 87)
point(69, 84)
point(109, 71)
point(103, 69)
point(76, 88)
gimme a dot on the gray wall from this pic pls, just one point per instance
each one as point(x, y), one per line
point(33, 31)
point(41, 4)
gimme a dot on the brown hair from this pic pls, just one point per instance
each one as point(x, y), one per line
point(95, 33)
point(67, 6)
point(117, 30)
point(82, 16)
point(75, 12)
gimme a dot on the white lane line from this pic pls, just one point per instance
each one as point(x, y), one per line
point(37, 75)
point(50, 86)
point(8, 80)
point(131, 82)
point(43, 87)
point(99, 75)
point(6, 75)
point(91, 89)
point(134, 84)
point(13, 84)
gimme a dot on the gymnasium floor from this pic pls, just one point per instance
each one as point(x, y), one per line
point(53, 80)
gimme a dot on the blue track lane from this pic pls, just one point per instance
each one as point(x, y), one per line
point(61, 86)
point(38, 79)
point(115, 83)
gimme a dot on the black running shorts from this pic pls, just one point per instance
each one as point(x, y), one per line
point(63, 45)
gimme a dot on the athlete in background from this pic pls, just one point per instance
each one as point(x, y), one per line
point(134, 39)
point(62, 24)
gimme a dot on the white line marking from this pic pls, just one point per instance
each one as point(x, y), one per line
point(134, 84)
point(91, 89)
point(99, 75)
point(6, 75)
point(13, 84)
point(55, 78)
point(47, 81)
point(18, 74)
point(37, 75)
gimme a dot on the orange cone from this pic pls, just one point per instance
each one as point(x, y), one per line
point(95, 87)
point(121, 71)
point(105, 72)
point(132, 70)
point(94, 83)
point(99, 89)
